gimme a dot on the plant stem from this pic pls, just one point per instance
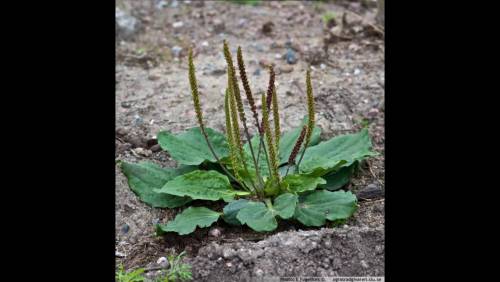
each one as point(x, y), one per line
point(268, 202)
point(218, 160)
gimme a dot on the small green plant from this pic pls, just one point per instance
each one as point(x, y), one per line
point(178, 271)
point(328, 16)
point(132, 276)
point(262, 178)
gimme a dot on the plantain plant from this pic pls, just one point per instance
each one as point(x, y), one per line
point(263, 178)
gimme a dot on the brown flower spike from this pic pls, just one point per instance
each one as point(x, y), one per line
point(246, 86)
point(296, 148)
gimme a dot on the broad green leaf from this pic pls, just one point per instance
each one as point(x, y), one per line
point(338, 179)
point(202, 185)
point(287, 141)
point(144, 177)
point(258, 217)
point(284, 205)
point(232, 209)
point(316, 207)
point(186, 222)
point(337, 152)
point(190, 147)
point(299, 183)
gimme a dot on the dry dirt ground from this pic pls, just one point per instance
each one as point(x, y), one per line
point(152, 94)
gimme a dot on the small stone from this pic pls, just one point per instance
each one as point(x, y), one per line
point(373, 112)
point(215, 232)
point(142, 151)
point(256, 72)
point(204, 44)
point(126, 104)
point(259, 272)
point(151, 142)
point(177, 25)
point(357, 71)
point(120, 254)
point(153, 77)
point(138, 120)
point(161, 4)
point(322, 66)
point(155, 148)
point(125, 228)
point(176, 51)
point(126, 25)
point(218, 26)
point(337, 263)
point(290, 56)
point(121, 131)
point(123, 147)
point(364, 264)
point(277, 56)
point(242, 22)
point(163, 262)
point(136, 141)
point(267, 28)
point(286, 69)
point(371, 191)
point(345, 226)
point(228, 253)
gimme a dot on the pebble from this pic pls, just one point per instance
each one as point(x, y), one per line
point(364, 264)
point(204, 44)
point(259, 272)
point(153, 77)
point(322, 66)
point(142, 151)
point(125, 228)
point(369, 192)
point(357, 71)
point(126, 104)
point(177, 24)
point(176, 51)
point(126, 25)
point(123, 147)
point(155, 148)
point(277, 56)
point(161, 4)
point(290, 56)
point(137, 120)
point(373, 112)
point(151, 142)
point(256, 72)
point(215, 232)
point(242, 22)
point(286, 69)
point(228, 253)
point(267, 28)
point(136, 141)
point(218, 26)
point(121, 131)
point(163, 262)
point(120, 254)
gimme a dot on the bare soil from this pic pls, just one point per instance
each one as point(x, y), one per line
point(152, 94)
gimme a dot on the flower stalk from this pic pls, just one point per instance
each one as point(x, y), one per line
point(199, 114)
point(310, 116)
